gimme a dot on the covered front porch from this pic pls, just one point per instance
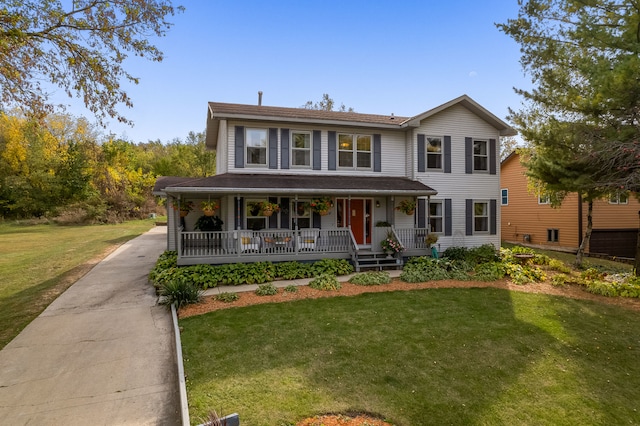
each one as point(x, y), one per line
point(294, 218)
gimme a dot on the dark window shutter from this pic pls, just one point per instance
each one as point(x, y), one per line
point(448, 225)
point(493, 217)
point(422, 157)
point(273, 148)
point(285, 207)
point(239, 147)
point(422, 213)
point(316, 150)
point(469, 217)
point(316, 219)
point(492, 156)
point(284, 149)
point(332, 150)
point(377, 152)
point(447, 154)
point(239, 212)
point(273, 219)
point(468, 155)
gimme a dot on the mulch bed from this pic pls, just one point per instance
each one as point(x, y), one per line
point(209, 303)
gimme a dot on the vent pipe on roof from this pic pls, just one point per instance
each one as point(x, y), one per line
point(260, 98)
point(392, 116)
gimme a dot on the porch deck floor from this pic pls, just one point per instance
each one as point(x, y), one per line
point(279, 284)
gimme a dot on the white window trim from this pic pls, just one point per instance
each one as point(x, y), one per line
point(615, 199)
point(488, 216)
point(542, 201)
point(354, 151)
point(501, 196)
point(441, 153)
point(246, 148)
point(310, 149)
point(474, 155)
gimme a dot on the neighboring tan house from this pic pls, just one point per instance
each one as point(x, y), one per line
point(528, 218)
point(443, 160)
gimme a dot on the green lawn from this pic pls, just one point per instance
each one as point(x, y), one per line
point(438, 356)
point(37, 264)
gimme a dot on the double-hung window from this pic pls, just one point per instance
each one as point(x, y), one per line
point(619, 198)
point(255, 219)
point(300, 149)
point(480, 155)
point(504, 196)
point(256, 143)
point(480, 216)
point(354, 151)
point(435, 216)
point(434, 153)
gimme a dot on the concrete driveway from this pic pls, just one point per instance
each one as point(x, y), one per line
point(103, 353)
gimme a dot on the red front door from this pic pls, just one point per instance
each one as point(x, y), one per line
point(357, 216)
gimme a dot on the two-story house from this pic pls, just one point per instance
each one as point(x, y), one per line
point(364, 167)
point(529, 218)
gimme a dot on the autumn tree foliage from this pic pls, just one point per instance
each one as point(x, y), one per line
point(79, 46)
point(61, 166)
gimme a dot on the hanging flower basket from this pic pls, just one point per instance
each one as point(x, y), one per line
point(209, 207)
point(322, 206)
point(407, 207)
point(183, 206)
point(267, 208)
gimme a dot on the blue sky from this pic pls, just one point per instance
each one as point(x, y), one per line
point(401, 57)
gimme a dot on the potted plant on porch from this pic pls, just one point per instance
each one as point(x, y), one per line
point(208, 223)
point(391, 246)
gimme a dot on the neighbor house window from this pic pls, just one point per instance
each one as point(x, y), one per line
point(435, 216)
point(544, 199)
point(480, 155)
point(552, 235)
point(301, 149)
point(354, 151)
point(504, 196)
point(434, 153)
point(619, 198)
point(480, 216)
point(256, 142)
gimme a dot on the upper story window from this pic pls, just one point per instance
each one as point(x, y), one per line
point(544, 199)
point(354, 151)
point(301, 149)
point(434, 153)
point(480, 155)
point(619, 198)
point(480, 216)
point(504, 196)
point(256, 143)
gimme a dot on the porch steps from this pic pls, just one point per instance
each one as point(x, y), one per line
point(377, 260)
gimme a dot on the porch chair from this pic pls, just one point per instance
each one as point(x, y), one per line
point(249, 243)
point(307, 239)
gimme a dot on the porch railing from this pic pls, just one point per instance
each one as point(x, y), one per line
point(247, 243)
point(412, 238)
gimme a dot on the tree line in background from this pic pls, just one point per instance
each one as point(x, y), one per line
point(61, 167)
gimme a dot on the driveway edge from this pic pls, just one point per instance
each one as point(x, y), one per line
point(182, 384)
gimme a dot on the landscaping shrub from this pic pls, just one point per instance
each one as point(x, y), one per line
point(291, 288)
point(228, 297)
point(422, 269)
point(371, 278)
point(559, 280)
point(266, 290)
point(293, 270)
point(558, 265)
point(456, 253)
point(326, 282)
point(490, 271)
point(180, 292)
point(333, 267)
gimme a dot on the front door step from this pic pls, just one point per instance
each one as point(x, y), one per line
point(378, 260)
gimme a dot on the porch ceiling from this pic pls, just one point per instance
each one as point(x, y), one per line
point(233, 183)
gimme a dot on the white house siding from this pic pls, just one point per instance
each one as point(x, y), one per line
point(392, 151)
point(458, 122)
point(222, 150)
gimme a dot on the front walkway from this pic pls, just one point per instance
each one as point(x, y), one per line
point(103, 353)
